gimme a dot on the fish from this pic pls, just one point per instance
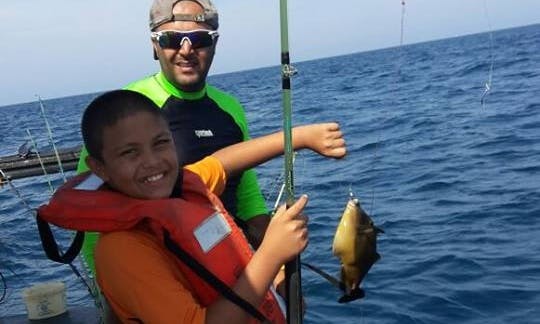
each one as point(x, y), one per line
point(355, 244)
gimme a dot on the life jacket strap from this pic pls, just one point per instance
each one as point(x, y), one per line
point(212, 279)
point(51, 248)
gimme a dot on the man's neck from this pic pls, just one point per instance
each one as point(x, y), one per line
point(189, 94)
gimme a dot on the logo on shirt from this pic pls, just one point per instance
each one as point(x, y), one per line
point(204, 133)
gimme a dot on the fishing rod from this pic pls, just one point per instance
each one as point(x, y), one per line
point(293, 282)
point(49, 132)
point(51, 189)
point(32, 211)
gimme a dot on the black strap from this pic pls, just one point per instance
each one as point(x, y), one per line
point(51, 248)
point(212, 279)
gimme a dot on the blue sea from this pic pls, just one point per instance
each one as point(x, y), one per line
point(454, 183)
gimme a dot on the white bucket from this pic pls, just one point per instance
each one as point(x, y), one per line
point(45, 300)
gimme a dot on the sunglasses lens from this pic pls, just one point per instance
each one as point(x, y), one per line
point(166, 40)
point(174, 40)
point(200, 39)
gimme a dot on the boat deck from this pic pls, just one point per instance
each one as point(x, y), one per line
point(74, 315)
point(15, 166)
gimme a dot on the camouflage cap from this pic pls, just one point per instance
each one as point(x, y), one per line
point(162, 12)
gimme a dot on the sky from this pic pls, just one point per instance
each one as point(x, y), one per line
point(59, 48)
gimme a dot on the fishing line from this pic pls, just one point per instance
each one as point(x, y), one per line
point(16, 191)
point(51, 189)
point(395, 87)
point(269, 192)
point(49, 132)
point(32, 211)
point(18, 194)
point(402, 22)
point(394, 90)
point(302, 177)
point(59, 161)
point(278, 198)
point(4, 288)
point(487, 85)
point(278, 181)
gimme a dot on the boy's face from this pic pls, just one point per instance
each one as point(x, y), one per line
point(139, 157)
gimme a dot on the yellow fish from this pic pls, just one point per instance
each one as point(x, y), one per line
point(355, 244)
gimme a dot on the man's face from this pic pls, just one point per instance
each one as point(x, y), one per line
point(139, 157)
point(187, 67)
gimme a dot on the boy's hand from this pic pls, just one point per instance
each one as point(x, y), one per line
point(325, 139)
point(287, 234)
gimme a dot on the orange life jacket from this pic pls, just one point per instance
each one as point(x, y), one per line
point(197, 222)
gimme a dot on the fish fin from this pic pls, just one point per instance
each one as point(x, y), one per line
point(331, 279)
point(355, 294)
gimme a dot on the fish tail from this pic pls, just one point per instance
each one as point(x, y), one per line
point(354, 294)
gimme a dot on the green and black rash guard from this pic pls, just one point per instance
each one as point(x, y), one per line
point(201, 123)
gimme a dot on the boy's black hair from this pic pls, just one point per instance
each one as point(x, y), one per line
point(106, 110)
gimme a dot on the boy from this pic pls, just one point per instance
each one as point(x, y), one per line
point(152, 214)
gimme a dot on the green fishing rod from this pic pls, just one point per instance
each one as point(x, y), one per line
point(293, 282)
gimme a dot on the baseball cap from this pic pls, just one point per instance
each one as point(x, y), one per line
point(162, 12)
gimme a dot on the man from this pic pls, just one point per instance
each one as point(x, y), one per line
point(202, 118)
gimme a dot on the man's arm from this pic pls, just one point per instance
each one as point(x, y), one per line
point(255, 229)
point(251, 208)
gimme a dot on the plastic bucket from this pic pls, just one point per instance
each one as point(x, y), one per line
point(45, 300)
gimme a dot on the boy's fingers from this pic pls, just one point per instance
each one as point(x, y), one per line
point(340, 152)
point(332, 126)
point(281, 209)
point(297, 207)
point(338, 142)
point(337, 134)
point(300, 222)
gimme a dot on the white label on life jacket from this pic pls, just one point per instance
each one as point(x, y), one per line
point(212, 231)
point(93, 182)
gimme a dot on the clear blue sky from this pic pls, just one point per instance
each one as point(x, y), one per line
point(59, 48)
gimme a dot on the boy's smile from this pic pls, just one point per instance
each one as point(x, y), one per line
point(139, 157)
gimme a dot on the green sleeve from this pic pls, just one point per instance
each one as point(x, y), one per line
point(81, 166)
point(249, 199)
point(90, 238)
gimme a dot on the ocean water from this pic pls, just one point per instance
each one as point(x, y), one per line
point(455, 184)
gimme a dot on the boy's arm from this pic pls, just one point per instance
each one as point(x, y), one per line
point(325, 139)
point(211, 172)
point(285, 238)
